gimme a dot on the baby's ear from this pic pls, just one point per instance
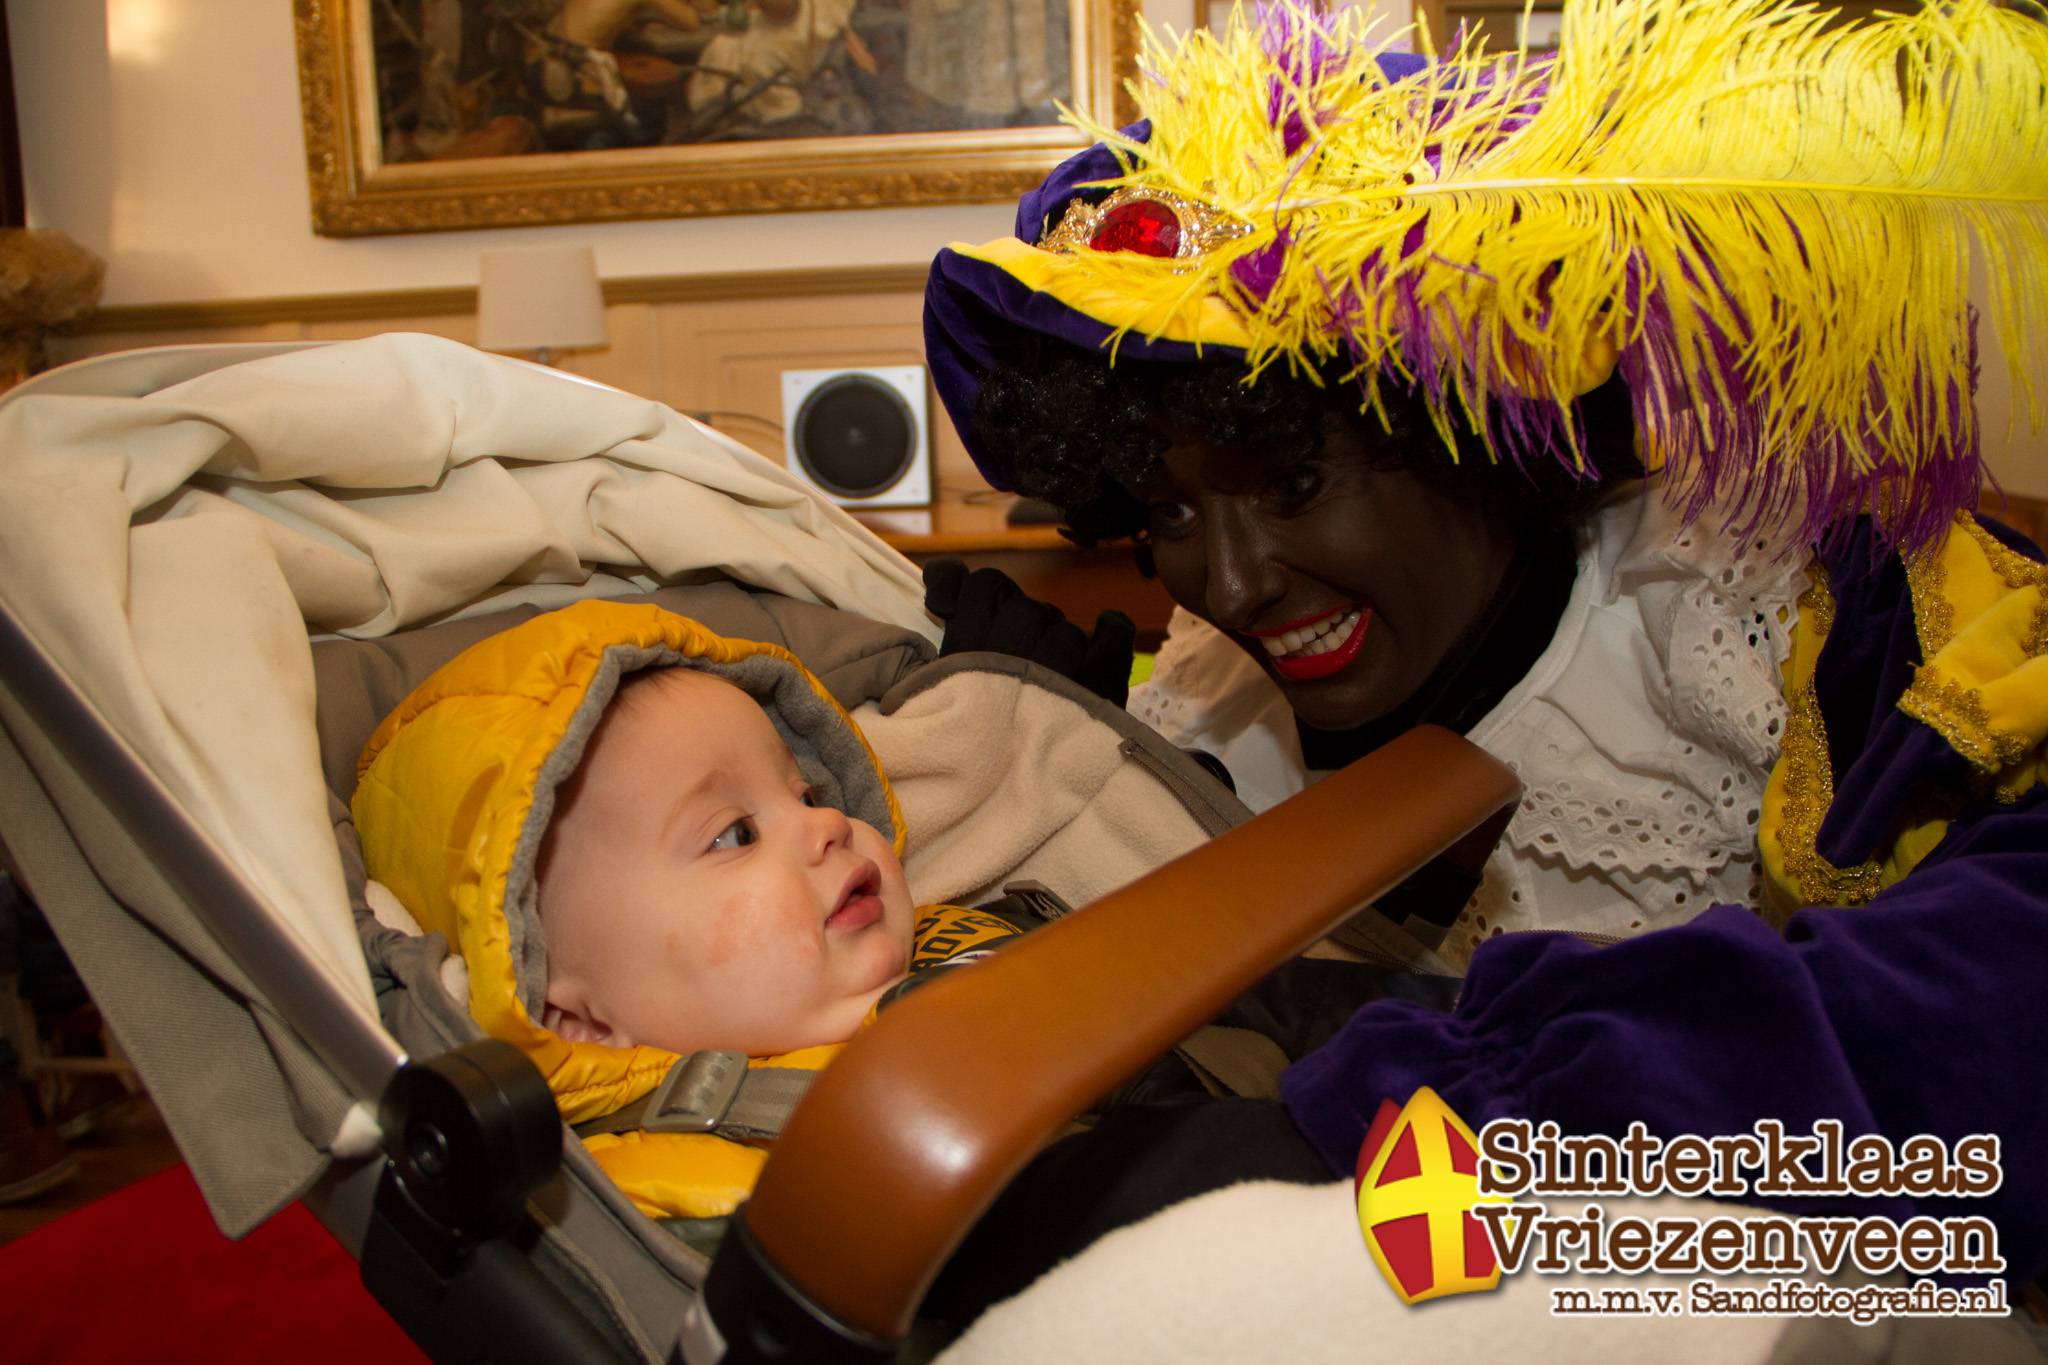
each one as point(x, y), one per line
point(574, 1026)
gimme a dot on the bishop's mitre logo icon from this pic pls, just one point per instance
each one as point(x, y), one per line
point(1418, 1180)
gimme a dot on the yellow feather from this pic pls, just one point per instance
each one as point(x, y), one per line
point(1793, 207)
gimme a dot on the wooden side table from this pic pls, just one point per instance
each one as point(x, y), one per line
point(1079, 582)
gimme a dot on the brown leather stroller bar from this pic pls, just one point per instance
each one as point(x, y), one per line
point(904, 1141)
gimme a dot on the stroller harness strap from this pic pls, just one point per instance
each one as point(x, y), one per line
point(715, 1093)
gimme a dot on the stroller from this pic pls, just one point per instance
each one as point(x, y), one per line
point(222, 564)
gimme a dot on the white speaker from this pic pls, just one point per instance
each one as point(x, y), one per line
point(859, 436)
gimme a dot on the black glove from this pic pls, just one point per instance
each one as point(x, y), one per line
point(986, 610)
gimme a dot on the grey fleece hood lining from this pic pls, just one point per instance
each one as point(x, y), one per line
point(829, 753)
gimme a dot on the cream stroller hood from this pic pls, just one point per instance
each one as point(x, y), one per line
point(170, 551)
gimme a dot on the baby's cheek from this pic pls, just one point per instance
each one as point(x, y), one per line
point(710, 937)
point(757, 927)
point(724, 945)
point(693, 952)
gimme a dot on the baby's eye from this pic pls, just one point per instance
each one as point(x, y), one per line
point(810, 796)
point(738, 834)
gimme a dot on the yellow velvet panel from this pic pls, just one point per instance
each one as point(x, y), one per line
point(1983, 616)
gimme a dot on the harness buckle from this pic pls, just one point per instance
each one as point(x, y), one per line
point(696, 1094)
point(1040, 899)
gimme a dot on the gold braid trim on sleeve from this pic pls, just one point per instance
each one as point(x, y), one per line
point(2010, 790)
point(1952, 710)
point(1802, 784)
point(1809, 782)
point(2015, 568)
point(1957, 714)
point(2018, 572)
point(1934, 617)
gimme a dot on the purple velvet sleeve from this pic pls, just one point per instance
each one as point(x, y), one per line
point(1925, 1011)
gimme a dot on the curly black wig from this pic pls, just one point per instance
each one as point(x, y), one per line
point(1082, 434)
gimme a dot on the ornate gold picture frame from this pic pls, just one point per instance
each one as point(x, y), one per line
point(429, 115)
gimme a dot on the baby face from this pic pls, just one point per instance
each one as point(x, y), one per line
point(695, 896)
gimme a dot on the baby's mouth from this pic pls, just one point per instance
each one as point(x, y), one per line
point(1319, 646)
point(860, 901)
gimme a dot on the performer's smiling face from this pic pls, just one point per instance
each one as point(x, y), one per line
point(1347, 578)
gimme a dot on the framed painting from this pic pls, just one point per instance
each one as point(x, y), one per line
point(424, 115)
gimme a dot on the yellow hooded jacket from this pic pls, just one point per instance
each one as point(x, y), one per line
point(455, 789)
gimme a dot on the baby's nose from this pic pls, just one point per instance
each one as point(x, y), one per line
point(830, 827)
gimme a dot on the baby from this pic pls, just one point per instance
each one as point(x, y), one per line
point(696, 894)
point(647, 841)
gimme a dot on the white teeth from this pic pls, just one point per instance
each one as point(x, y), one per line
point(1318, 638)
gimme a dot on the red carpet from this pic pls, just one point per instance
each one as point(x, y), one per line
point(143, 1275)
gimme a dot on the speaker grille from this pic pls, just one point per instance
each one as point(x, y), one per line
point(854, 436)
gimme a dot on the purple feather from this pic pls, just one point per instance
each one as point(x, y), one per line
point(1712, 420)
point(1257, 272)
point(1299, 42)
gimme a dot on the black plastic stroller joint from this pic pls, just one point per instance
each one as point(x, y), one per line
point(467, 1136)
point(763, 1318)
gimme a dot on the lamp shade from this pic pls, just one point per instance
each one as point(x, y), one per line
point(543, 298)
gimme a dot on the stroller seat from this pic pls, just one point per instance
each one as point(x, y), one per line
point(217, 570)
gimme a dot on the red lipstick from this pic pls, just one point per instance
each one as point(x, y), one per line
point(1310, 667)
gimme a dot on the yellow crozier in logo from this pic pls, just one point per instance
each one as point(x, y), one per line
point(1418, 1180)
